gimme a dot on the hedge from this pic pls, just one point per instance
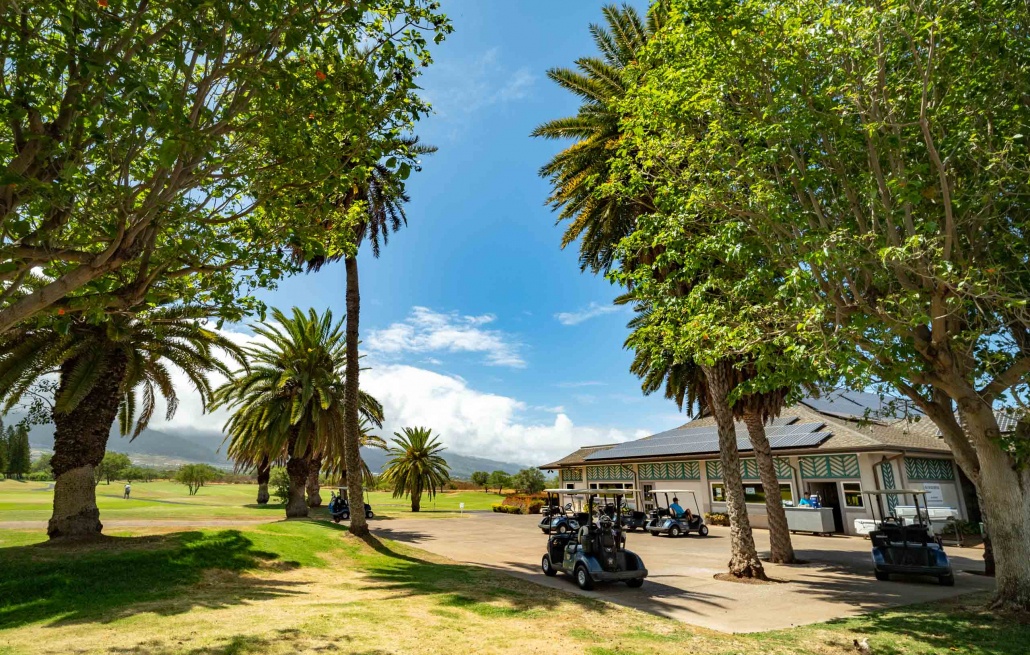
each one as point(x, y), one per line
point(717, 518)
point(528, 504)
point(508, 509)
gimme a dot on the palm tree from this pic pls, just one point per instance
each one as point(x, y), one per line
point(115, 369)
point(599, 220)
point(289, 404)
point(383, 197)
point(416, 466)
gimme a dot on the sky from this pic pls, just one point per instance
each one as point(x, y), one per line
point(474, 321)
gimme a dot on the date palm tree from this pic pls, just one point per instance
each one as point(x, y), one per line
point(415, 466)
point(289, 404)
point(115, 369)
point(598, 220)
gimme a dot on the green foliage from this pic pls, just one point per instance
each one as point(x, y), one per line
point(279, 484)
point(529, 480)
point(501, 508)
point(499, 479)
point(290, 398)
point(112, 467)
point(42, 464)
point(415, 465)
point(195, 476)
point(480, 479)
point(177, 151)
point(717, 518)
point(14, 442)
point(529, 504)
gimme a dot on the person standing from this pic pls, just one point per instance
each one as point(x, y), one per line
point(128, 489)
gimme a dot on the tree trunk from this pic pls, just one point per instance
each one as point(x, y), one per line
point(297, 469)
point(781, 549)
point(744, 562)
point(1005, 489)
point(313, 486)
point(80, 441)
point(351, 423)
point(416, 503)
point(264, 473)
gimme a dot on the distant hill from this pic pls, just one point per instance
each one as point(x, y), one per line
point(171, 447)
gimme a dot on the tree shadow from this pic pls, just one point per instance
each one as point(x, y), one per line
point(112, 577)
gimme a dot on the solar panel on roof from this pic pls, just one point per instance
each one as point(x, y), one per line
point(701, 440)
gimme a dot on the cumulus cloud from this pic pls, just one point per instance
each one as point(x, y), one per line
point(593, 310)
point(460, 87)
point(427, 331)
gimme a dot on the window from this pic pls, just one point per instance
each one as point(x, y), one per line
point(570, 486)
point(852, 494)
point(753, 493)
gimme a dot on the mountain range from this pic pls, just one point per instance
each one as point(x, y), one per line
point(173, 447)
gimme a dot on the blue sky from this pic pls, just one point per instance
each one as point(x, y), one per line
point(474, 321)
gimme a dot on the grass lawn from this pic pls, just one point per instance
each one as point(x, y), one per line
point(32, 501)
point(304, 586)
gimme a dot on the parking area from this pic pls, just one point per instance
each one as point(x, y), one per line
point(837, 580)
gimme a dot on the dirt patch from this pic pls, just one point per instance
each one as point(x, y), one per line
point(728, 577)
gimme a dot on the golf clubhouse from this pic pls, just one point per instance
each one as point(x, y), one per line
point(837, 447)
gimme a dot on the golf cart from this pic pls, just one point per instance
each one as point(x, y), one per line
point(633, 519)
point(662, 520)
point(339, 508)
point(596, 551)
point(558, 518)
point(907, 547)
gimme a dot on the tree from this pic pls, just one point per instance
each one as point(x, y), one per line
point(195, 476)
point(874, 153)
point(415, 465)
point(112, 467)
point(3, 449)
point(500, 479)
point(115, 369)
point(264, 472)
point(280, 481)
point(288, 404)
point(480, 479)
point(41, 464)
point(530, 481)
point(148, 143)
point(578, 173)
point(19, 457)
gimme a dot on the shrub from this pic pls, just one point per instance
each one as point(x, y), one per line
point(528, 504)
point(717, 518)
point(279, 482)
point(501, 508)
point(39, 476)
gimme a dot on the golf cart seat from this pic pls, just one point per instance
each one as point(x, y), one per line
point(583, 518)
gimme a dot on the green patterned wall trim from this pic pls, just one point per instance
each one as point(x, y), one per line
point(713, 470)
point(571, 475)
point(670, 471)
point(609, 473)
point(749, 469)
point(829, 466)
point(918, 468)
point(887, 475)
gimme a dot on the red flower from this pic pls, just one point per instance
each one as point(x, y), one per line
point(320, 75)
point(102, 3)
point(60, 312)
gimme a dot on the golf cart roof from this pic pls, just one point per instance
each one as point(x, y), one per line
point(673, 491)
point(895, 492)
point(592, 492)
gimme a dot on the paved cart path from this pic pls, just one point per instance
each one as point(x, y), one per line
point(837, 582)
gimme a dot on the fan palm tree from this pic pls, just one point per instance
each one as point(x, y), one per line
point(577, 173)
point(288, 405)
point(416, 466)
point(115, 369)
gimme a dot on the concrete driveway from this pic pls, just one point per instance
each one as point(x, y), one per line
point(836, 582)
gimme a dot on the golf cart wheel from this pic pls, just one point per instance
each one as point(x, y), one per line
point(674, 531)
point(583, 579)
point(345, 516)
point(336, 519)
point(545, 566)
point(654, 534)
point(947, 580)
point(703, 531)
point(562, 528)
point(883, 577)
point(635, 583)
point(369, 515)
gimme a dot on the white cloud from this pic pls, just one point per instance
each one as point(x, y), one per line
point(427, 331)
point(576, 385)
point(593, 310)
point(460, 87)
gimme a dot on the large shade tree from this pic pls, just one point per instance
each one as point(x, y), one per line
point(876, 154)
point(415, 466)
point(289, 402)
point(119, 369)
point(146, 142)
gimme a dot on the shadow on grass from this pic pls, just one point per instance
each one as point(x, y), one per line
point(961, 624)
point(473, 588)
point(107, 579)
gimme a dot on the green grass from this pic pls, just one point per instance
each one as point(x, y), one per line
point(303, 586)
point(165, 500)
